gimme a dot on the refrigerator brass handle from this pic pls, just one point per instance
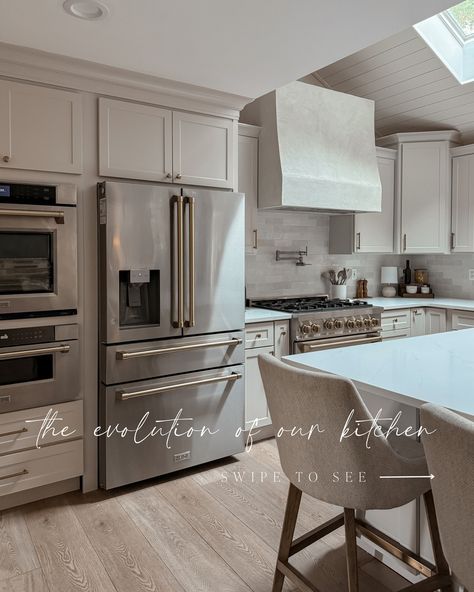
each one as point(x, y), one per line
point(57, 215)
point(42, 351)
point(123, 396)
point(12, 433)
point(343, 343)
point(24, 472)
point(180, 280)
point(143, 353)
point(192, 264)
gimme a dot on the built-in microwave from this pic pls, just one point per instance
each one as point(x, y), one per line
point(38, 250)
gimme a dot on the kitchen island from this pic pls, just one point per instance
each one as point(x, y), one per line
point(400, 376)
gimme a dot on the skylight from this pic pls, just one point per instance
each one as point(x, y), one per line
point(462, 17)
point(450, 35)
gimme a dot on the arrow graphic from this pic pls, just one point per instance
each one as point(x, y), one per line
point(407, 476)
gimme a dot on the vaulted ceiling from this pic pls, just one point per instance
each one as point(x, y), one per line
point(413, 90)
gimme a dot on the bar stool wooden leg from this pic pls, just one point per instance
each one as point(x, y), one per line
point(287, 532)
point(351, 549)
point(442, 566)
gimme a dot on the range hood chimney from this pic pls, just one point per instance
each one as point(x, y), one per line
point(317, 150)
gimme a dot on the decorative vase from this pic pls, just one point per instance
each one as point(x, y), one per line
point(389, 291)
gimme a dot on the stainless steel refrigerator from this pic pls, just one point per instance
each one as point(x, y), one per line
point(171, 329)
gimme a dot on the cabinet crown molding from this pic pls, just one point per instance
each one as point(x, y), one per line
point(463, 150)
point(29, 65)
point(452, 136)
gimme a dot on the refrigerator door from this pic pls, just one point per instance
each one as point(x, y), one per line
point(214, 275)
point(138, 259)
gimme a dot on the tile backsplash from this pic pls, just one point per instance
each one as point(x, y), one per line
point(290, 231)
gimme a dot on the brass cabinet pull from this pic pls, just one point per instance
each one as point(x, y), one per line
point(20, 431)
point(168, 175)
point(180, 229)
point(404, 242)
point(453, 240)
point(143, 353)
point(6, 158)
point(255, 239)
point(191, 263)
point(57, 215)
point(42, 351)
point(358, 241)
point(179, 176)
point(123, 396)
point(11, 475)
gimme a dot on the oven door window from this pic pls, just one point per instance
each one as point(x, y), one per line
point(26, 262)
point(21, 370)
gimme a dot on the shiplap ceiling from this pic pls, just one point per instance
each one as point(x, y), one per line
point(413, 90)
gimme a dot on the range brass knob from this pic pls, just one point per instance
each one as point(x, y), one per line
point(367, 322)
point(329, 325)
point(350, 324)
point(374, 322)
point(306, 329)
point(338, 324)
point(315, 328)
point(359, 323)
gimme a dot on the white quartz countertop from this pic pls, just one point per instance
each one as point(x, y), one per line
point(432, 368)
point(393, 303)
point(262, 315)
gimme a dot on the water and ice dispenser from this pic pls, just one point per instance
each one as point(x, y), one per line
point(139, 297)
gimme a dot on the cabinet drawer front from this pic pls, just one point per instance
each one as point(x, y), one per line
point(462, 320)
point(397, 334)
point(259, 335)
point(19, 430)
point(395, 320)
point(41, 466)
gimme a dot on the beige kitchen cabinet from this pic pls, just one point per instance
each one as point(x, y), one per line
point(462, 237)
point(423, 198)
point(154, 144)
point(435, 320)
point(135, 141)
point(248, 180)
point(40, 128)
point(461, 319)
point(368, 233)
point(203, 150)
point(418, 320)
point(396, 324)
point(268, 337)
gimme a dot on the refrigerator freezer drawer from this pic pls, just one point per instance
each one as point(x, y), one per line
point(151, 359)
point(157, 427)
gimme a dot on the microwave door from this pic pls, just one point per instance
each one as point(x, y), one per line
point(139, 239)
point(214, 292)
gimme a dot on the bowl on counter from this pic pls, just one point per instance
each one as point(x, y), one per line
point(411, 289)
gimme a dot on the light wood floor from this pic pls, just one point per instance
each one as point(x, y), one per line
point(194, 532)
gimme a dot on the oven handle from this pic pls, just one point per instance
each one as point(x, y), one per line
point(333, 345)
point(57, 215)
point(123, 396)
point(26, 353)
point(127, 355)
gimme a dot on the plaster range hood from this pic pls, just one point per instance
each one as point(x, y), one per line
point(317, 150)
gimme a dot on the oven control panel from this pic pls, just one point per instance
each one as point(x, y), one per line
point(26, 336)
point(36, 195)
point(327, 326)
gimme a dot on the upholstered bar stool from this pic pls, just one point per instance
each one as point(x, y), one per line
point(301, 399)
point(450, 455)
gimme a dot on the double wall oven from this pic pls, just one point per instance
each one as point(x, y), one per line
point(39, 360)
point(172, 319)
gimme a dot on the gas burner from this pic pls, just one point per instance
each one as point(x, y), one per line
point(309, 304)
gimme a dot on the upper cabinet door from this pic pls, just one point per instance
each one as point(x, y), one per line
point(463, 204)
point(40, 128)
point(248, 184)
point(134, 141)
point(374, 232)
point(203, 150)
point(425, 197)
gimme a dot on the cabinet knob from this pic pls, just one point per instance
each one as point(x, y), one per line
point(178, 176)
point(168, 175)
point(6, 158)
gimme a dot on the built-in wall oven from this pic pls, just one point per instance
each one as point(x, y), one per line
point(38, 250)
point(38, 366)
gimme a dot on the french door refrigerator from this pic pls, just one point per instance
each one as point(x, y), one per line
point(171, 329)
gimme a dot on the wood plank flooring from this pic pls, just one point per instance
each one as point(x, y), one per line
point(212, 529)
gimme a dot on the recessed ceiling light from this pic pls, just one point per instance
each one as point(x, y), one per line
point(90, 10)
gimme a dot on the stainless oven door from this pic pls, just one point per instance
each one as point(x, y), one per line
point(40, 374)
point(213, 399)
point(38, 259)
point(301, 347)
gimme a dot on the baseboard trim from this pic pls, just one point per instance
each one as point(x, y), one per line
point(33, 495)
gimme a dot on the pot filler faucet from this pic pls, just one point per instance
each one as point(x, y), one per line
point(293, 256)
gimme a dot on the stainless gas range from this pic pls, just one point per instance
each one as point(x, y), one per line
point(319, 323)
